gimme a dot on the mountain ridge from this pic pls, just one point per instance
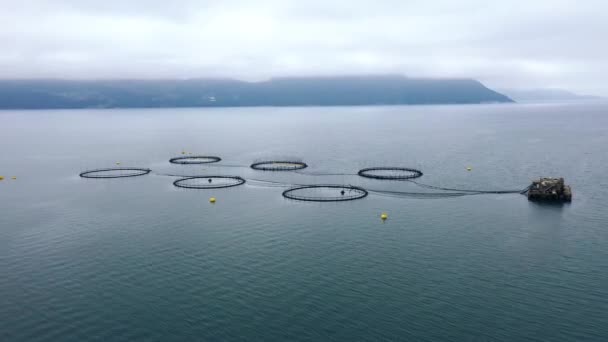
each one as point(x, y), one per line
point(206, 92)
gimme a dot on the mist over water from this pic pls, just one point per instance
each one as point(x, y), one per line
point(137, 259)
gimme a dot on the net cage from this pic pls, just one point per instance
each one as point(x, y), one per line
point(195, 160)
point(325, 193)
point(279, 165)
point(209, 182)
point(115, 172)
point(390, 173)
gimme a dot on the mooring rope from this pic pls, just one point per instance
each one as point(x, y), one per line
point(324, 173)
point(427, 186)
point(420, 195)
point(274, 184)
point(175, 175)
point(447, 192)
point(433, 187)
point(229, 165)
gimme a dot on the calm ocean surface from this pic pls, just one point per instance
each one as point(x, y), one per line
point(139, 260)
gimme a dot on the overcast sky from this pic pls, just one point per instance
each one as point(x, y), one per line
point(516, 44)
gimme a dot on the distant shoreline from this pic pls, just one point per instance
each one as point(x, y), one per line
point(213, 93)
point(287, 106)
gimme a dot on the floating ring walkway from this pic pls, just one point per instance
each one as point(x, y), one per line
point(325, 193)
point(390, 173)
point(279, 165)
point(195, 160)
point(115, 172)
point(209, 182)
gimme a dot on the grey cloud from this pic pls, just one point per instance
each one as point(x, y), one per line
point(551, 43)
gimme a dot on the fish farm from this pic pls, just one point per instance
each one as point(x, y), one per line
point(195, 160)
point(283, 165)
point(209, 182)
point(392, 173)
point(545, 189)
point(325, 193)
point(115, 172)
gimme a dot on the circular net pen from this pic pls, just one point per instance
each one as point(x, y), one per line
point(209, 182)
point(325, 193)
point(279, 165)
point(390, 173)
point(195, 160)
point(116, 172)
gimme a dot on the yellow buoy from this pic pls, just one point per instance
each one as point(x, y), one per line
point(1, 177)
point(469, 168)
point(212, 200)
point(14, 177)
point(384, 216)
point(183, 152)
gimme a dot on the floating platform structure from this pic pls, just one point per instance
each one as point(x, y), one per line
point(550, 189)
